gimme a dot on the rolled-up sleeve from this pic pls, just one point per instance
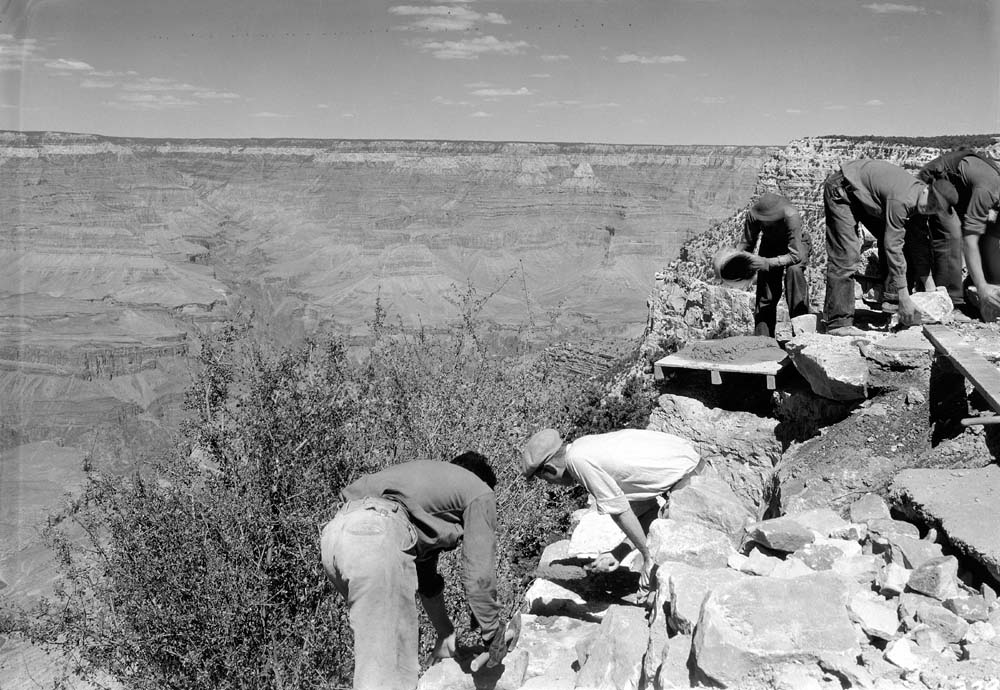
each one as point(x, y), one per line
point(978, 212)
point(479, 555)
point(608, 496)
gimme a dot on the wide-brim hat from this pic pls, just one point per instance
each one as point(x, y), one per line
point(769, 207)
point(540, 447)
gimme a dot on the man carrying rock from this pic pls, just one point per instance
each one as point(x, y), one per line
point(623, 471)
point(966, 185)
point(887, 199)
point(781, 259)
point(383, 546)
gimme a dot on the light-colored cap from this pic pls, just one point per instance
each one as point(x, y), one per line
point(540, 447)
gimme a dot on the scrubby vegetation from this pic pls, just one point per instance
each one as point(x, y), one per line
point(942, 141)
point(202, 570)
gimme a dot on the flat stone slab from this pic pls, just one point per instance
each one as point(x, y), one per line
point(964, 503)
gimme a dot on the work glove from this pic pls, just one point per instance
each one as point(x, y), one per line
point(759, 263)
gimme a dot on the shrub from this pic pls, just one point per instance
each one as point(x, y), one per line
point(202, 571)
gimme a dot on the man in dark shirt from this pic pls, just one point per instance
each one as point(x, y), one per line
point(967, 187)
point(782, 259)
point(886, 198)
point(383, 545)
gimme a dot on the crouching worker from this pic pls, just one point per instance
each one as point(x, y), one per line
point(624, 471)
point(382, 548)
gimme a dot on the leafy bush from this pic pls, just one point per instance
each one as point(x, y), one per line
point(203, 570)
point(941, 141)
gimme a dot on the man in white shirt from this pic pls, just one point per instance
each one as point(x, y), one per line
point(624, 471)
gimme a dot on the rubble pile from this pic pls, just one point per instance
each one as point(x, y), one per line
point(812, 599)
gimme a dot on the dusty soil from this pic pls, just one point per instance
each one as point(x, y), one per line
point(740, 349)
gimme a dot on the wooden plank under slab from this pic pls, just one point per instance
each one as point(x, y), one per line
point(679, 361)
point(983, 375)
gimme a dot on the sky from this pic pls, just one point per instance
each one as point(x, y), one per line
point(615, 71)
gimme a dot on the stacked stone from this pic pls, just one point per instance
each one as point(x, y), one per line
point(806, 600)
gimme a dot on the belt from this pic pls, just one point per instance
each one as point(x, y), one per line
point(383, 506)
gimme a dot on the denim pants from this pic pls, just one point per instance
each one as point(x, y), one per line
point(946, 252)
point(769, 284)
point(843, 251)
point(368, 554)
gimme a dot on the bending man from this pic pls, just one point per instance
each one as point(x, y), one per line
point(624, 471)
point(966, 185)
point(383, 546)
point(782, 259)
point(886, 199)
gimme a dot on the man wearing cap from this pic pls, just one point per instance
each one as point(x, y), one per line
point(382, 548)
point(886, 198)
point(966, 185)
point(781, 259)
point(624, 471)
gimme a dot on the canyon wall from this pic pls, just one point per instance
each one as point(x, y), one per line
point(115, 254)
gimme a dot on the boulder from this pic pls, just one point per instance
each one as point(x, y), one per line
point(740, 447)
point(550, 643)
point(759, 563)
point(882, 529)
point(951, 627)
point(673, 673)
point(709, 501)
point(806, 323)
point(937, 578)
point(557, 565)
point(823, 553)
point(833, 366)
point(927, 637)
point(965, 503)
point(594, 534)
point(791, 567)
point(906, 349)
point(907, 551)
point(862, 569)
point(615, 658)
point(933, 307)
point(877, 617)
point(819, 474)
point(688, 542)
point(900, 652)
point(822, 520)
point(545, 598)
point(869, 507)
point(972, 609)
point(737, 636)
point(892, 579)
point(980, 631)
point(779, 534)
point(688, 588)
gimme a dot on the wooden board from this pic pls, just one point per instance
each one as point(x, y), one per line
point(679, 361)
point(983, 376)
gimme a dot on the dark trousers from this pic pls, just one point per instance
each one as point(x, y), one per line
point(946, 254)
point(769, 284)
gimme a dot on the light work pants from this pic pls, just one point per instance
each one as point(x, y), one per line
point(368, 554)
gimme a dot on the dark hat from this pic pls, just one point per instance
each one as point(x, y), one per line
point(945, 194)
point(540, 447)
point(769, 207)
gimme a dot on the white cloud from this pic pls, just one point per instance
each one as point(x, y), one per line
point(150, 101)
point(159, 84)
point(347, 116)
point(540, 75)
point(554, 58)
point(441, 100)
point(217, 95)
point(711, 100)
point(480, 113)
point(445, 17)
point(650, 59)
point(14, 51)
point(266, 114)
point(472, 48)
point(600, 106)
point(874, 102)
point(322, 106)
point(835, 106)
point(894, 8)
point(503, 92)
point(64, 65)
point(569, 103)
point(97, 84)
point(793, 111)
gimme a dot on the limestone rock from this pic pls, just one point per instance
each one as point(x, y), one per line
point(673, 673)
point(688, 542)
point(927, 637)
point(806, 323)
point(822, 520)
point(615, 658)
point(981, 631)
point(593, 535)
point(736, 636)
point(944, 621)
point(550, 643)
point(688, 588)
point(907, 349)
point(972, 609)
point(882, 529)
point(909, 552)
point(862, 569)
point(900, 652)
point(791, 567)
point(965, 503)
point(892, 579)
point(759, 563)
point(833, 366)
point(937, 578)
point(876, 617)
point(869, 507)
point(780, 534)
point(545, 598)
point(933, 307)
point(557, 565)
point(740, 446)
point(710, 502)
point(811, 475)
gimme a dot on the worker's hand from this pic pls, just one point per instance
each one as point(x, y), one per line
point(990, 296)
point(759, 263)
point(444, 647)
point(605, 563)
point(646, 574)
point(908, 314)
